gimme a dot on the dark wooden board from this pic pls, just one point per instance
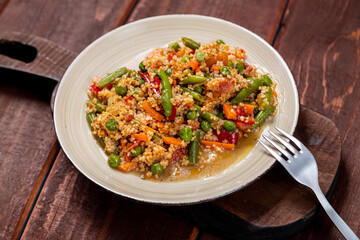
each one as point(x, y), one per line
point(322, 51)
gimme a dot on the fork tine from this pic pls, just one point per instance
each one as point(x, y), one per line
point(283, 151)
point(285, 143)
point(293, 139)
point(272, 152)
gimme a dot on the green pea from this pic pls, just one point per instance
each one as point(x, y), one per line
point(111, 124)
point(240, 66)
point(230, 126)
point(187, 71)
point(225, 71)
point(121, 90)
point(114, 161)
point(219, 41)
point(205, 125)
point(142, 81)
point(199, 56)
point(230, 64)
point(175, 46)
point(198, 89)
point(186, 134)
point(142, 67)
point(136, 151)
point(191, 115)
point(266, 80)
point(168, 72)
point(184, 58)
point(157, 168)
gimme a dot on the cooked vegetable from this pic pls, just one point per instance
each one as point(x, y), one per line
point(111, 77)
point(267, 100)
point(200, 56)
point(190, 43)
point(245, 92)
point(219, 41)
point(194, 64)
point(175, 46)
point(196, 96)
point(184, 58)
point(194, 149)
point(127, 167)
point(187, 71)
point(171, 140)
point(199, 89)
point(114, 161)
point(266, 80)
point(228, 146)
point(193, 79)
point(191, 115)
point(136, 151)
point(229, 111)
point(230, 126)
point(225, 71)
point(186, 134)
point(142, 67)
point(141, 137)
point(230, 64)
point(229, 137)
point(157, 168)
point(205, 125)
point(240, 66)
point(121, 90)
point(111, 124)
point(261, 117)
point(166, 93)
point(206, 115)
point(152, 112)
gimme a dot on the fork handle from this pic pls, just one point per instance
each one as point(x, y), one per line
point(338, 221)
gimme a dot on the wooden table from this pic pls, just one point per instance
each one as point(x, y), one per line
point(42, 195)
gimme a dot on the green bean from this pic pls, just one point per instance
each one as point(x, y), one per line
point(168, 72)
point(166, 93)
point(225, 71)
point(111, 77)
point(121, 90)
point(157, 168)
point(267, 100)
point(230, 64)
point(240, 66)
point(191, 115)
point(266, 80)
point(230, 126)
point(175, 46)
point(198, 89)
point(205, 125)
point(208, 76)
point(136, 151)
point(90, 118)
point(193, 79)
point(206, 115)
point(114, 161)
point(190, 43)
point(219, 41)
point(199, 56)
point(186, 134)
point(195, 95)
point(156, 137)
point(262, 116)
point(187, 71)
point(134, 74)
point(194, 149)
point(111, 124)
point(245, 92)
point(184, 58)
point(142, 67)
point(100, 107)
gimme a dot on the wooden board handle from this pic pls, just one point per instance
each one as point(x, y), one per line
point(34, 55)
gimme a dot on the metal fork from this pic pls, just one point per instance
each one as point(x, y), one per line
point(301, 165)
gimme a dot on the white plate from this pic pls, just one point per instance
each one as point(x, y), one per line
point(115, 49)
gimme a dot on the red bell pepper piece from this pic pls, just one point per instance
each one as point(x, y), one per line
point(228, 136)
point(154, 84)
point(94, 88)
point(109, 86)
point(173, 113)
point(243, 126)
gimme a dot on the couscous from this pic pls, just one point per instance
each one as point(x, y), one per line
point(185, 104)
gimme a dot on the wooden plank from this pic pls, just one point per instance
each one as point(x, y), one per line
point(72, 207)
point(29, 142)
point(322, 50)
point(242, 13)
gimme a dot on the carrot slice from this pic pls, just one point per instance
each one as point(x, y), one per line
point(215, 68)
point(171, 140)
point(249, 108)
point(127, 167)
point(228, 146)
point(132, 146)
point(141, 137)
point(194, 64)
point(152, 112)
point(149, 129)
point(229, 111)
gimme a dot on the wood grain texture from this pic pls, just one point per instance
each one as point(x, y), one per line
point(242, 13)
point(323, 52)
point(72, 207)
point(71, 24)
point(27, 146)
